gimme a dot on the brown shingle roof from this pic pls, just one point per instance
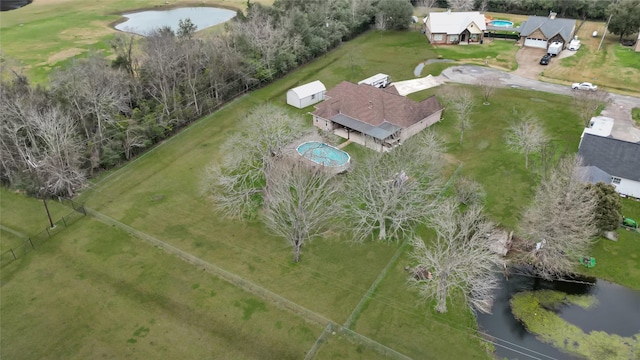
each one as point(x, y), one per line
point(374, 106)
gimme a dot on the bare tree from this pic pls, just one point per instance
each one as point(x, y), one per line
point(488, 86)
point(269, 42)
point(96, 95)
point(483, 6)
point(460, 258)
point(390, 192)
point(462, 104)
point(526, 136)
point(299, 201)
point(425, 6)
point(237, 181)
point(559, 225)
point(469, 192)
point(588, 102)
point(460, 5)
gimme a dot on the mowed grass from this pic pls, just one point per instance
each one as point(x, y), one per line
point(497, 53)
point(159, 194)
point(619, 261)
point(28, 215)
point(614, 67)
point(95, 292)
point(47, 34)
point(485, 156)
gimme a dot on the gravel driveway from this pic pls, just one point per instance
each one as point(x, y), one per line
point(619, 108)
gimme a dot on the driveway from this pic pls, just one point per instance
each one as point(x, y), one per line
point(619, 107)
point(529, 62)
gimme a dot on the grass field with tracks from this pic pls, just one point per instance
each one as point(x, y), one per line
point(94, 290)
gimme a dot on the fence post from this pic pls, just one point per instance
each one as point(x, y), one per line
point(31, 242)
point(14, 254)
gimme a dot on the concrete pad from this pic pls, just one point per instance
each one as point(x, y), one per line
point(407, 87)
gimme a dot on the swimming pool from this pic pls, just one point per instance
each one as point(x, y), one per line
point(324, 154)
point(501, 23)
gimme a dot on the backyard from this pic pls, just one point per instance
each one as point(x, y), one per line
point(95, 290)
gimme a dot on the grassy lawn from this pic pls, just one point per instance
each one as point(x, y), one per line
point(613, 67)
point(485, 157)
point(499, 53)
point(635, 115)
point(28, 215)
point(618, 261)
point(98, 293)
point(47, 34)
point(144, 303)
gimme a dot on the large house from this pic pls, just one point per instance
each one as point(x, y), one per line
point(455, 27)
point(540, 31)
point(377, 118)
point(619, 159)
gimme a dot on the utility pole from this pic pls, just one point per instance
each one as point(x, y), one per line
point(44, 201)
point(604, 32)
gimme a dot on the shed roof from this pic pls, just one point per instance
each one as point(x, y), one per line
point(371, 107)
point(309, 89)
point(549, 27)
point(616, 157)
point(451, 22)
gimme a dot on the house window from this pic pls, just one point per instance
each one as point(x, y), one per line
point(313, 96)
point(615, 180)
point(437, 37)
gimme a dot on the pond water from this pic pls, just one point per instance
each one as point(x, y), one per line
point(617, 312)
point(142, 23)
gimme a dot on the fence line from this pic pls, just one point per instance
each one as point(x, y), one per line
point(252, 288)
point(32, 242)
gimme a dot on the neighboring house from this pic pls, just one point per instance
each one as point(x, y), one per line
point(455, 27)
point(307, 94)
point(619, 159)
point(594, 175)
point(540, 31)
point(377, 118)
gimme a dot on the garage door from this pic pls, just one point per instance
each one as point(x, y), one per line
point(538, 43)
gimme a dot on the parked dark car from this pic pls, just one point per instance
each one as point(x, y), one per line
point(545, 59)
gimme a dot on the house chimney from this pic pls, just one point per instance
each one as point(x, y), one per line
point(552, 15)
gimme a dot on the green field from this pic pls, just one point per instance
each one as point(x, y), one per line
point(96, 291)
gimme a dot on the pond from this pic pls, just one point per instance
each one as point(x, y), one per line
point(617, 312)
point(142, 23)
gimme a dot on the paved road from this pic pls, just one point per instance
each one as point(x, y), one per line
point(619, 108)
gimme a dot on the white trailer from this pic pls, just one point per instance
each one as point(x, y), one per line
point(377, 80)
point(555, 48)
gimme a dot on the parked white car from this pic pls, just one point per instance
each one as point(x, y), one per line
point(574, 45)
point(584, 86)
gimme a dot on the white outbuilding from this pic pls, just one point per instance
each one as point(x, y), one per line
point(307, 94)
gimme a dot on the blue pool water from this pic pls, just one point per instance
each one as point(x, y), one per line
point(323, 154)
point(501, 23)
point(142, 23)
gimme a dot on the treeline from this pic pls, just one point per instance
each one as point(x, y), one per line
point(96, 114)
point(573, 9)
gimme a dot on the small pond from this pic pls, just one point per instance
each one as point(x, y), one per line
point(142, 23)
point(617, 312)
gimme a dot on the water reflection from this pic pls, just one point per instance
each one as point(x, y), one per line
point(617, 312)
point(142, 23)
